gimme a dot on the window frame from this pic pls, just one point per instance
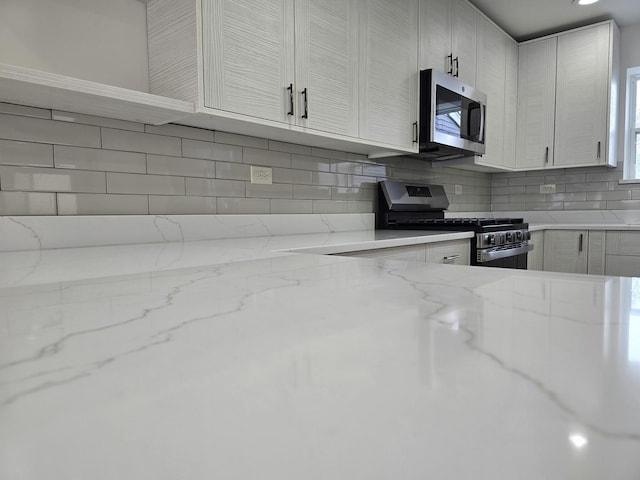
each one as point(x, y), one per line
point(630, 130)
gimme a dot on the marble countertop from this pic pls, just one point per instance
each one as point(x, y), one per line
point(235, 359)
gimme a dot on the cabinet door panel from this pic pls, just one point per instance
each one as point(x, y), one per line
point(536, 107)
point(463, 42)
point(435, 34)
point(491, 80)
point(535, 258)
point(389, 73)
point(562, 251)
point(248, 56)
point(582, 97)
point(327, 65)
point(511, 102)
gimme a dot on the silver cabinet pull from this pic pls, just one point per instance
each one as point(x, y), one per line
point(546, 155)
point(450, 258)
point(599, 150)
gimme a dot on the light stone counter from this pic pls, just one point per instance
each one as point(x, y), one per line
point(230, 360)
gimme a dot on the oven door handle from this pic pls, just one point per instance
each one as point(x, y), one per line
point(488, 254)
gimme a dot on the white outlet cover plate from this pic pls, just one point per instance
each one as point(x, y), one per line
point(261, 175)
point(548, 188)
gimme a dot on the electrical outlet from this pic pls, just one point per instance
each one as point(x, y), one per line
point(458, 189)
point(548, 188)
point(261, 175)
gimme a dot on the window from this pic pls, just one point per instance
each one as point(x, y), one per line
point(632, 125)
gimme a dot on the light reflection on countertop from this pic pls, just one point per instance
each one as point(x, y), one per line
point(228, 360)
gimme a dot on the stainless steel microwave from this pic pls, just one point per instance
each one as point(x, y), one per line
point(452, 117)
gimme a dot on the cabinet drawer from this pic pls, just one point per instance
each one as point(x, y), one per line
point(623, 243)
point(454, 252)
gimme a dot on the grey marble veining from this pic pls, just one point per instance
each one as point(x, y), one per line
point(229, 359)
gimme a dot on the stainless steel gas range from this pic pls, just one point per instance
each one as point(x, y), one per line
point(498, 242)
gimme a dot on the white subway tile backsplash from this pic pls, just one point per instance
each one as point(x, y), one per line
point(211, 151)
point(24, 111)
point(243, 205)
point(254, 156)
point(330, 206)
point(97, 121)
point(241, 140)
point(185, 167)
point(131, 183)
point(94, 165)
point(333, 154)
point(360, 207)
point(287, 175)
point(312, 192)
point(102, 204)
point(279, 205)
point(304, 162)
point(113, 139)
point(51, 180)
point(289, 148)
point(27, 203)
point(169, 205)
point(82, 158)
point(233, 171)
point(180, 131)
point(13, 127)
point(275, 190)
point(202, 187)
point(26, 154)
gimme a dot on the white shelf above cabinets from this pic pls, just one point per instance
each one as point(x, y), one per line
point(48, 90)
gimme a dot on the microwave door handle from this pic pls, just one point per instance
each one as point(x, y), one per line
point(483, 113)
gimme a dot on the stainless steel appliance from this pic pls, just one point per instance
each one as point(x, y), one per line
point(452, 117)
point(498, 242)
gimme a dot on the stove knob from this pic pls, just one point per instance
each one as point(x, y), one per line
point(519, 236)
point(509, 237)
point(491, 239)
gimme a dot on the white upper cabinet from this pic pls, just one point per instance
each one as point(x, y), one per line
point(248, 57)
point(536, 103)
point(511, 104)
point(582, 97)
point(448, 38)
point(491, 79)
point(389, 71)
point(326, 42)
point(567, 99)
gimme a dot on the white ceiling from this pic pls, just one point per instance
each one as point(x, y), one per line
point(526, 19)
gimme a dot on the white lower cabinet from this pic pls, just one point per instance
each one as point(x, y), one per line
point(623, 254)
point(574, 251)
point(535, 258)
point(455, 252)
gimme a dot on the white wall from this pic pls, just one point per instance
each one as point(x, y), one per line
point(103, 41)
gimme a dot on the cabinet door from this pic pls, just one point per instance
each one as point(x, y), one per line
point(248, 56)
point(454, 252)
point(566, 251)
point(389, 71)
point(582, 97)
point(536, 103)
point(535, 258)
point(491, 80)
point(511, 102)
point(463, 41)
point(435, 34)
point(326, 38)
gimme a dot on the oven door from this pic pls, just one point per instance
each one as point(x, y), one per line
point(514, 256)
